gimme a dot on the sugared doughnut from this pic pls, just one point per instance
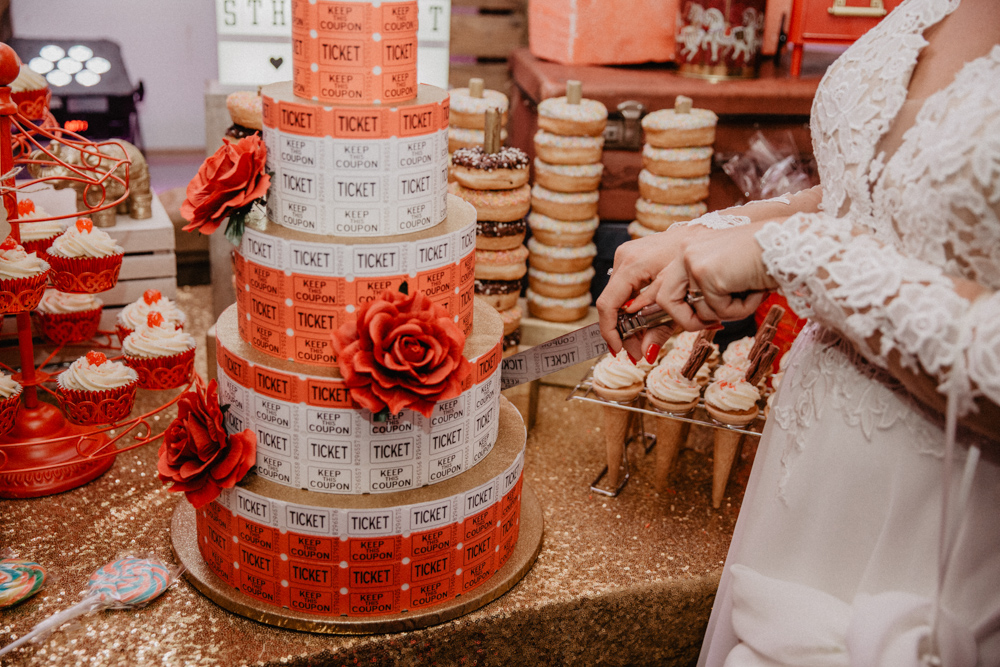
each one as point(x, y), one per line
point(568, 177)
point(564, 205)
point(501, 264)
point(460, 137)
point(468, 112)
point(558, 310)
point(246, 110)
point(556, 259)
point(558, 116)
point(666, 190)
point(636, 230)
point(476, 169)
point(667, 128)
point(660, 216)
point(492, 235)
point(511, 319)
point(560, 285)
point(496, 205)
point(678, 162)
point(501, 294)
point(554, 232)
point(556, 149)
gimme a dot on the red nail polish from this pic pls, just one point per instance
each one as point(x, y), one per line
point(630, 357)
point(628, 303)
point(716, 327)
point(652, 353)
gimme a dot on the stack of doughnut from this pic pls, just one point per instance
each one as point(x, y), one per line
point(494, 179)
point(467, 112)
point(676, 160)
point(563, 218)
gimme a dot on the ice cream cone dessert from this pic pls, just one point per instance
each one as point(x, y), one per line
point(669, 391)
point(616, 379)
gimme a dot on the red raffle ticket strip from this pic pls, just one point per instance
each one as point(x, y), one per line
point(311, 435)
point(355, 52)
point(331, 561)
point(292, 295)
point(356, 171)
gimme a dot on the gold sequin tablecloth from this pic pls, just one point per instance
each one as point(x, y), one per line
point(623, 581)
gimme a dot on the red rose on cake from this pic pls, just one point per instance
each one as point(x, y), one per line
point(229, 180)
point(402, 352)
point(197, 455)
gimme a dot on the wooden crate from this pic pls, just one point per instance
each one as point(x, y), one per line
point(483, 33)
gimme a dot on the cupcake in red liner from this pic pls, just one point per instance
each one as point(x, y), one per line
point(135, 314)
point(85, 260)
point(94, 390)
point(36, 237)
point(10, 399)
point(22, 277)
point(160, 353)
point(31, 94)
point(68, 318)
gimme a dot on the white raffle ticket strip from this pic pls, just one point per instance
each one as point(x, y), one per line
point(356, 171)
point(552, 356)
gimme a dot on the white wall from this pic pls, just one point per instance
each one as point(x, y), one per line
point(170, 45)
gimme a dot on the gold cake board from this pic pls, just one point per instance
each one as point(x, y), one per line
point(184, 538)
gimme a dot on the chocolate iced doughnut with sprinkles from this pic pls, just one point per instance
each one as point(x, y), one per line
point(495, 235)
point(476, 169)
point(513, 339)
point(501, 294)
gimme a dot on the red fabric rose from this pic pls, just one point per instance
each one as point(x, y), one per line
point(402, 352)
point(228, 180)
point(197, 455)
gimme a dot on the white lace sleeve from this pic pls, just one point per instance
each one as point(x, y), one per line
point(849, 280)
point(716, 220)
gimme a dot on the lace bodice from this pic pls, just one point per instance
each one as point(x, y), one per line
point(876, 263)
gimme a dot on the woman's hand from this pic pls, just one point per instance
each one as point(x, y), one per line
point(672, 268)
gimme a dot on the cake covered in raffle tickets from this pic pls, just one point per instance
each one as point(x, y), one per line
point(354, 457)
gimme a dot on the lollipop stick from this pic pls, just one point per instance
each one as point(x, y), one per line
point(84, 606)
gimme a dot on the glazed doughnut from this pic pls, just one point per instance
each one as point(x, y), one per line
point(678, 162)
point(666, 190)
point(560, 285)
point(511, 319)
point(564, 205)
point(491, 235)
point(469, 112)
point(496, 205)
point(558, 310)
point(568, 177)
point(667, 128)
point(637, 231)
point(460, 137)
point(562, 233)
point(476, 169)
point(660, 216)
point(558, 116)
point(246, 110)
point(501, 294)
point(556, 149)
point(501, 264)
point(555, 259)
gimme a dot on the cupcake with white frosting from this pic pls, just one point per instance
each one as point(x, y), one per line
point(68, 318)
point(135, 314)
point(733, 403)
point(36, 237)
point(85, 259)
point(10, 397)
point(22, 277)
point(616, 379)
point(31, 93)
point(160, 353)
point(95, 390)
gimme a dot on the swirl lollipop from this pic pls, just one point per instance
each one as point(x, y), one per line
point(19, 580)
point(124, 584)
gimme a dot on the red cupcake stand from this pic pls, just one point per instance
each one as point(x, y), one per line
point(41, 451)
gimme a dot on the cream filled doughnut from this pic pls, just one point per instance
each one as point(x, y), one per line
point(660, 216)
point(501, 294)
point(637, 231)
point(492, 235)
point(460, 137)
point(562, 233)
point(678, 162)
point(558, 116)
point(495, 205)
point(557, 149)
point(468, 112)
point(558, 310)
point(568, 177)
point(668, 128)
point(560, 285)
point(501, 264)
point(564, 205)
point(476, 169)
point(511, 319)
point(555, 259)
point(667, 190)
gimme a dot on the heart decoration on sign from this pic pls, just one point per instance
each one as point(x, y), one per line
point(276, 62)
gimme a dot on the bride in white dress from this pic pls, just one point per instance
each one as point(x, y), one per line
point(870, 530)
